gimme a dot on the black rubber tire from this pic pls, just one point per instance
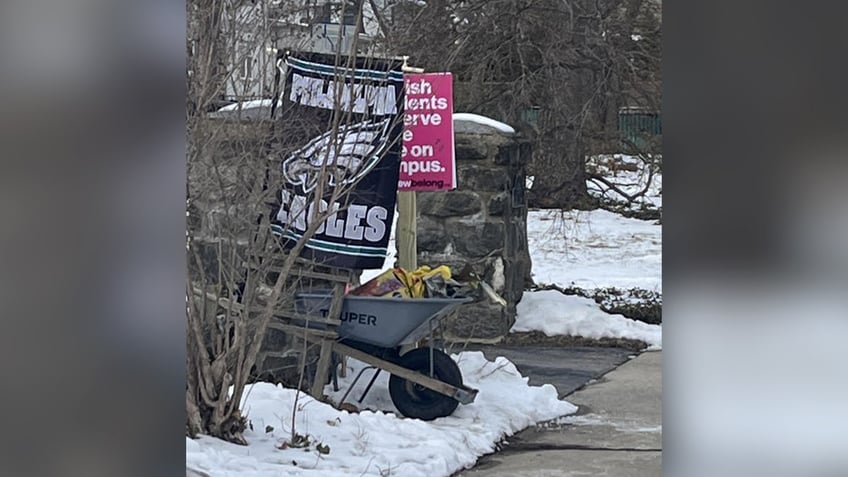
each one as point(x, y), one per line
point(413, 400)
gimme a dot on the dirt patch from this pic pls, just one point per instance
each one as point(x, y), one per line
point(537, 338)
point(643, 212)
point(634, 303)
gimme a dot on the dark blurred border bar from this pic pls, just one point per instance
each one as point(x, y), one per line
point(756, 216)
point(93, 237)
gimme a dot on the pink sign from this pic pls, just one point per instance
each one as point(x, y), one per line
point(427, 157)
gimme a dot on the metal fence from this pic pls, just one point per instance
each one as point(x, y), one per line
point(639, 127)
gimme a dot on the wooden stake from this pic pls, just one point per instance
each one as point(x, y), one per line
point(407, 228)
point(407, 233)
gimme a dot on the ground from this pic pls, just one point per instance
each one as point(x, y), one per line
point(616, 432)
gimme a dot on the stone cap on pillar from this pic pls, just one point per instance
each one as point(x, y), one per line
point(467, 123)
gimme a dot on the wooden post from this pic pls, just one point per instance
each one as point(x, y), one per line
point(322, 370)
point(407, 233)
point(407, 228)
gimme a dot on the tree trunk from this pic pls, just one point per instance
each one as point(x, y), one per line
point(559, 175)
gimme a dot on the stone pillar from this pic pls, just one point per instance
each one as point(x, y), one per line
point(483, 222)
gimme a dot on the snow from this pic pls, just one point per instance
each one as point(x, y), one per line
point(629, 174)
point(391, 257)
point(476, 118)
point(256, 103)
point(594, 249)
point(554, 313)
point(600, 420)
point(375, 443)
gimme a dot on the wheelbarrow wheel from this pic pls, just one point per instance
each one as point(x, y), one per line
point(414, 400)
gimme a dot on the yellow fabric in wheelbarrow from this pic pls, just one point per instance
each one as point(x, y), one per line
point(398, 282)
point(415, 280)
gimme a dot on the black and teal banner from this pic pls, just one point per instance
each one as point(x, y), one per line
point(342, 129)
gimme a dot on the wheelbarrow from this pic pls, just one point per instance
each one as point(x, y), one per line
point(425, 382)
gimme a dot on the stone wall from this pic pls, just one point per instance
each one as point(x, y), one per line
point(483, 222)
point(221, 216)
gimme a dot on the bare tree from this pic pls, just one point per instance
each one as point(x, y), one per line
point(240, 273)
point(558, 69)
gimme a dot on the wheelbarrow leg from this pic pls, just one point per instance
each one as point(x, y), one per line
point(430, 345)
point(334, 374)
point(370, 383)
point(353, 384)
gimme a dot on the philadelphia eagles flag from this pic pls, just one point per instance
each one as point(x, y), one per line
point(342, 128)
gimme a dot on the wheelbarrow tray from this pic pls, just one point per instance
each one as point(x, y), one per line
point(379, 321)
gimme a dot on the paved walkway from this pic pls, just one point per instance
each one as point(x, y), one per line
point(567, 368)
point(617, 431)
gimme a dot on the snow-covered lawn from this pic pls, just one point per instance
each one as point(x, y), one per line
point(591, 250)
point(594, 249)
point(379, 443)
point(554, 314)
point(600, 249)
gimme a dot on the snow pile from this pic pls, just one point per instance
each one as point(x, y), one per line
point(594, 249)
point(556, 314)
point(376, 443)
point(476, 118)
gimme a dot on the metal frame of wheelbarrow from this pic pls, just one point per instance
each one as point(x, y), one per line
point(463, 394)
point(358, 349)
point(326, 334)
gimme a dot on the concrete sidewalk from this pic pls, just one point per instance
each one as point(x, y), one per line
point(567, 368)
point(617, 431)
